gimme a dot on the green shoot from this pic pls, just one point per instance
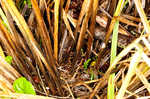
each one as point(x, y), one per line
point(8, 59)
point(113, 56)
point(22, 85)
point(111, 85)
point(86, 63)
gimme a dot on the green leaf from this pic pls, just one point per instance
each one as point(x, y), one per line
point(8, 59)
point(86, 63)
point(22, 85)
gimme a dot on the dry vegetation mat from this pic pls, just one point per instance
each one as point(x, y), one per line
point(74, 49)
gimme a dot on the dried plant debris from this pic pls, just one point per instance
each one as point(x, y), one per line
point(75, 49)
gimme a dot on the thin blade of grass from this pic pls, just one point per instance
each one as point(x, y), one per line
point(67, 5)
point(4, 19)
point(23, 96)
point(92, 26)
point(82, 13)
point(56, 24)
point(114, 42)
point(84, 26)
point(111, 93)
point(68, 25)
point(128, 22)
point(143, 79)
point(49, 20)
point(72, 20)
point(2, 53)
point(110, 90)
point(142, 15)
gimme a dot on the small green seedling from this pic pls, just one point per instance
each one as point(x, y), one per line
point(86, 63)
point(8, 59)
point(22, 85)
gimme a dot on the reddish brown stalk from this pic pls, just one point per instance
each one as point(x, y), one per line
point(84, 26)
point(92, 27)
point(56, 23)
point(48, 49)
